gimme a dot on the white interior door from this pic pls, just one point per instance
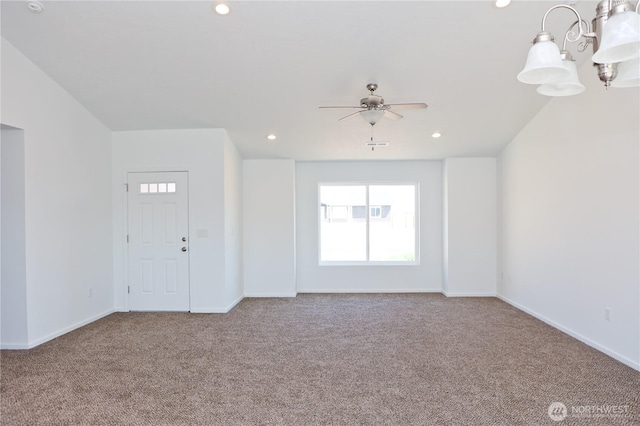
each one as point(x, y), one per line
point(158, 243)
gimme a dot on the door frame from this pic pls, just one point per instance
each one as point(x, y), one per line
point(124, 290)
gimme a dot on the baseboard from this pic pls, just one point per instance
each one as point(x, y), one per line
point(14, 346)
point(218, 311)
point(370, 290)
point(448, 294)
point(234, 303)
point(578, 336)
point(38, 342)
point(294, 294)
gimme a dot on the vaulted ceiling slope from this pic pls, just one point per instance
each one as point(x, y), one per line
point(268, 65)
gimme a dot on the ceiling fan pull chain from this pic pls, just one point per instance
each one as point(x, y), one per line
point(372, 145)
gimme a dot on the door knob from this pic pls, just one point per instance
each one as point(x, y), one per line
point(184, 239)
point(183, 249)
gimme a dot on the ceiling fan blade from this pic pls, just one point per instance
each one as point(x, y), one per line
point(346, 117)
point(417, 105)
point(342, 107)
point(392, 115)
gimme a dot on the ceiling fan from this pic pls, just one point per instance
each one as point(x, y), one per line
point(372, 108)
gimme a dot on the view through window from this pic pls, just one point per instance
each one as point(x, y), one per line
point(362, 223)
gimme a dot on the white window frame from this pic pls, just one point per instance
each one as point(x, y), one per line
point(169, 188)
point(367, 184)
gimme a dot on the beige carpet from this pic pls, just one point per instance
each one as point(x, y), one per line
point(414, 359)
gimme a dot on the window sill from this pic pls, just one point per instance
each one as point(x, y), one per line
point(337, 263)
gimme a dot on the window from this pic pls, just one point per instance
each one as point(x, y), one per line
point(155, 188)
point(351, 236)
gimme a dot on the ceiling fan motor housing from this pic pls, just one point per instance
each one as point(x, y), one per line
point(372, 102)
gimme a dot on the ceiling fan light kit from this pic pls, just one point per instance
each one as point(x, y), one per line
point(372, 116)
point(615, 36)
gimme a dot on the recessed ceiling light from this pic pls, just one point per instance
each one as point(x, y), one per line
point(35, 6)
point(222, 9)
point(436, 135)
point(271, 137)
point(502, 3)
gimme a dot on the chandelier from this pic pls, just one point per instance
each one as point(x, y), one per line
point(615, 36)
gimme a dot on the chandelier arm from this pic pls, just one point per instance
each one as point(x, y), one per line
point(582, 46)
point(580, 20)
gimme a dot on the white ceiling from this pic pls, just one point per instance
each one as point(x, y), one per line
point(268, 65)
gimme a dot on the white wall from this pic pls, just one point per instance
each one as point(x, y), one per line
point(427, 276)
point(570, 213)
point(232, 223)
point(200, 152)
point(67, 200)
point(13, 290)
point(470, 227)
point(269, 228)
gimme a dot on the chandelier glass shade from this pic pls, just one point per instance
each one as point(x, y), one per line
point(544, 64)
point(628, 74)
point(620, 39)
point(567, 86)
